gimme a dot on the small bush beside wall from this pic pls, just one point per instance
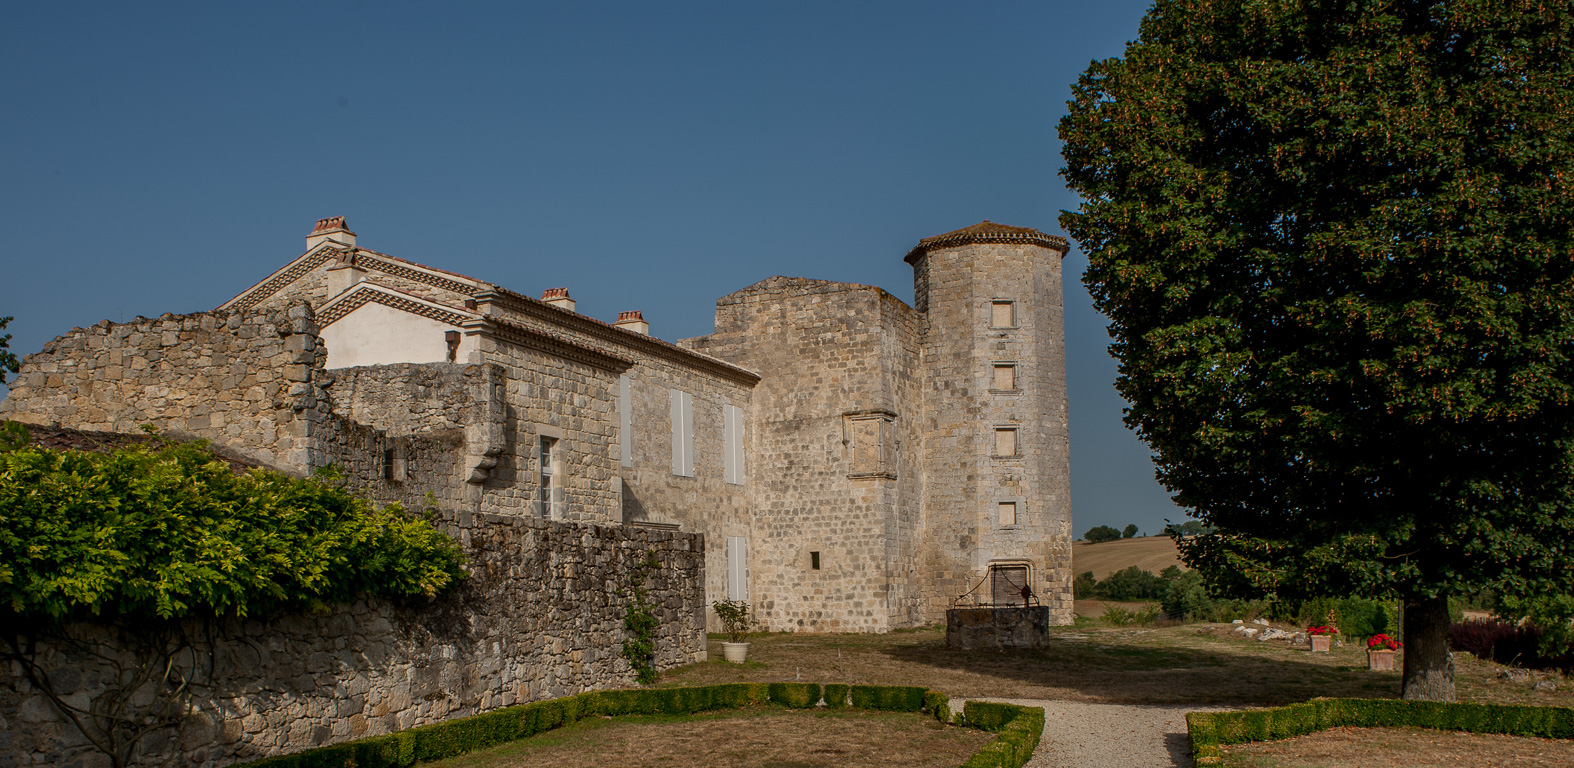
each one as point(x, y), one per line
point(1208, 730)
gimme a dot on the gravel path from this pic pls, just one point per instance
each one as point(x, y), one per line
point(1109, 735)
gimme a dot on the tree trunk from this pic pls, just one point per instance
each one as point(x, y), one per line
point(1429, 669)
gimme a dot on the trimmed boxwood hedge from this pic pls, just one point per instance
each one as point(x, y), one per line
point(794, 695)
point(1208, 730)
point(1019, 727)
point(892, 698)
point(836, 695)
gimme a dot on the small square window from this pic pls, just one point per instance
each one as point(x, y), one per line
point(1006, 441)
point(1005, 377)
point(814, 561)
point(1002, 314)
point(1008, 513)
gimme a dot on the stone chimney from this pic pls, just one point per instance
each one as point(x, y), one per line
point(633, 321)
point(332, 228)
point(558, 297)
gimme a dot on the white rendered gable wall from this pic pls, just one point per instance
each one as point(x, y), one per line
point(374, 334)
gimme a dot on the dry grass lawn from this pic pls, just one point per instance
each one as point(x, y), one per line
point(1401, 748)
point(1152, 553)
point(764, 737)
point(1188, 664)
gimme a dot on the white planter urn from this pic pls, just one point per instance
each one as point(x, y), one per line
point(736, 653)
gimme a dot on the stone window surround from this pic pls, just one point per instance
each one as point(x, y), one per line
point(1016, 377)
point(1016, 443)
point(1016, 318)
point(1021, 510)
point(559, 447)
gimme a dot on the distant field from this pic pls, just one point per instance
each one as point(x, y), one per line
point(1153, 553)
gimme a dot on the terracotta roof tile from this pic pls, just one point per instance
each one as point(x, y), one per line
point(988, 231)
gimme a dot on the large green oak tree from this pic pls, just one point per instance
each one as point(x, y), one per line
point(1333, 239)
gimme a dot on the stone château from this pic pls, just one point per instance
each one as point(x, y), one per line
point(853, 463)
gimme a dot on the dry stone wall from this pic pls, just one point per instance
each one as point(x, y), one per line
point(540, 616)
point(240, 379)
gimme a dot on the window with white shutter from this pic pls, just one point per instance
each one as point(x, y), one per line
point(682, 433)
point(732, 443)
point(737, 568)
point(626, 420)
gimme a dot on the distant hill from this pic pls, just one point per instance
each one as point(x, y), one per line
point(1152, 553)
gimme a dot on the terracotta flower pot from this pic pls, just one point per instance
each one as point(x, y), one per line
point(1321, 643)
point(1380, 660)
point(736, 653)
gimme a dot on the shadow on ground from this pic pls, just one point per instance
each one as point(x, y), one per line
point(1175, 665)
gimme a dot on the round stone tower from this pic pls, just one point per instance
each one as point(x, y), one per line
point(996, 506)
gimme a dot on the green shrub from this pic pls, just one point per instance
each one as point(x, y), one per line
point(1186, 597)
point(1131, 583)
point(1355, 616)
point(1100, 534)
point(939, 705)
point(836, 695)
point(1208, 730)
point(1019, 729)
point(895, 698)
point(170, 531)
point(795, 695)
point(988, 715)
point(1085, 586)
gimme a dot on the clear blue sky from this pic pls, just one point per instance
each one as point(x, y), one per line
point(654, 156)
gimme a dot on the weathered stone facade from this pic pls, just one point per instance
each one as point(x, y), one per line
point(855, 463)
point(541, 616)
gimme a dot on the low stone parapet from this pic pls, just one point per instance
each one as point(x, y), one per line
point(997, 628)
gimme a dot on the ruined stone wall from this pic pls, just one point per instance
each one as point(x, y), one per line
point(541, 616)
point(240, 379)
point(965, 481)
point(409, 398)
point(832, 451)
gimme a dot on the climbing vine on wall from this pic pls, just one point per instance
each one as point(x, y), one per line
point(639, 624)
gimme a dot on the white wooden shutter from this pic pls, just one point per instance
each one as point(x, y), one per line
point(738, 445)
point(732, 444)
point(688, 435)
point(682, 433)
point(625, 421)
point(677, 432)
point(737, 568)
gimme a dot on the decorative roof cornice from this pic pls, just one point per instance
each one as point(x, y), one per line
point(419, 273)
point(989, 232)
point(357, 257)
point(287, 274)
point(611, 334)
point(364, 293)
point(550, 343)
